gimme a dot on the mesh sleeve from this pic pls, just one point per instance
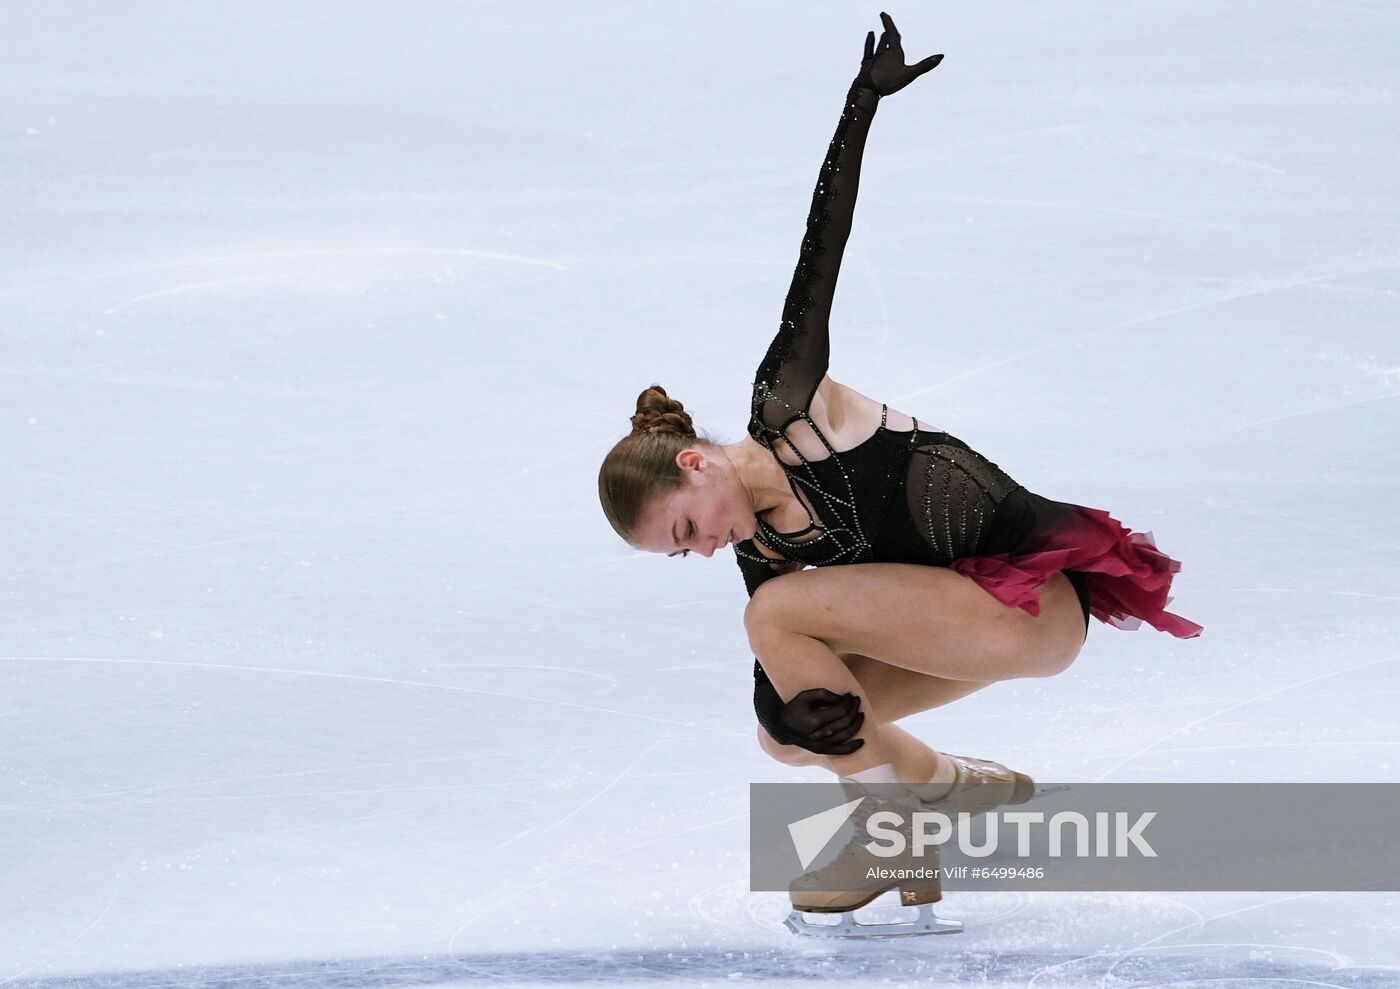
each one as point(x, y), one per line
point(796, 361)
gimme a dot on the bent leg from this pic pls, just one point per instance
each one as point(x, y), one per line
point(927, 621)
point(914, 762)
point(895, 693)
point(795, 662)
point(892, 693)
point(930, 620)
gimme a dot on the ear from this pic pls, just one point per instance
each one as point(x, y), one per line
point(689, 459)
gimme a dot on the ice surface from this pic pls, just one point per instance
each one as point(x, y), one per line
point(318, 662)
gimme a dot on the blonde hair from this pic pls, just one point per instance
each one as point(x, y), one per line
point(642, 464)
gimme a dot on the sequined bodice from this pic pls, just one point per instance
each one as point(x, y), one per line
point(851, 492)
point(917, 496)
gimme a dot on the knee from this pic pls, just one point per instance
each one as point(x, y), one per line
point(788, 755)
point(773, 604)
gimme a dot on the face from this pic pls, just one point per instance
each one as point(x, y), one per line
point(709, 510)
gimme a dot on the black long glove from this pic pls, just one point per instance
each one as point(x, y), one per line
point(816, 719)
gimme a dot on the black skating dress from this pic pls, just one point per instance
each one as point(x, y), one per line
point(921, 496)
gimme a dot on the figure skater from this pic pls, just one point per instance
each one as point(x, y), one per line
point(933, 572)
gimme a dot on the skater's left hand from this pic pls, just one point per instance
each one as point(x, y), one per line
point(883, 68)
point(824, 722)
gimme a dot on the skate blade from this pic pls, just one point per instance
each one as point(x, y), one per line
point(848, 928)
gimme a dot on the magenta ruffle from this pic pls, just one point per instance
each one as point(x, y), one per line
point(1126, 575)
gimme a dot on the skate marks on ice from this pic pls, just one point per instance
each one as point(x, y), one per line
point(935, 961)
point(1095, 43)
point(731, 905)
point(1343, 269)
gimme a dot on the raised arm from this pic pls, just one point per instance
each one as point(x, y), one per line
point(796, 361)
point(797, 358)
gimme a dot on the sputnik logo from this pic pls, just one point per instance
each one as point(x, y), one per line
point(811, 834)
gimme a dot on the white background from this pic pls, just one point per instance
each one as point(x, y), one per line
point(316, 320)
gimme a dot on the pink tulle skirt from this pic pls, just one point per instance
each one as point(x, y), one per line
point(1126, 575)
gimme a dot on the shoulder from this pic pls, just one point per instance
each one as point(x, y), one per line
point(809, 435)
point(838, 414)
point(847, 417)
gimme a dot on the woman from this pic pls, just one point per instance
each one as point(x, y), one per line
point(935, 573)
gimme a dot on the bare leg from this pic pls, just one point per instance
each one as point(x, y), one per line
point(913, 761)
point(893, 693)
point(925, 621)
point(795, 662)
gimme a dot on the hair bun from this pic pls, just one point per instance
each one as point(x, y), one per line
point(659, 413)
